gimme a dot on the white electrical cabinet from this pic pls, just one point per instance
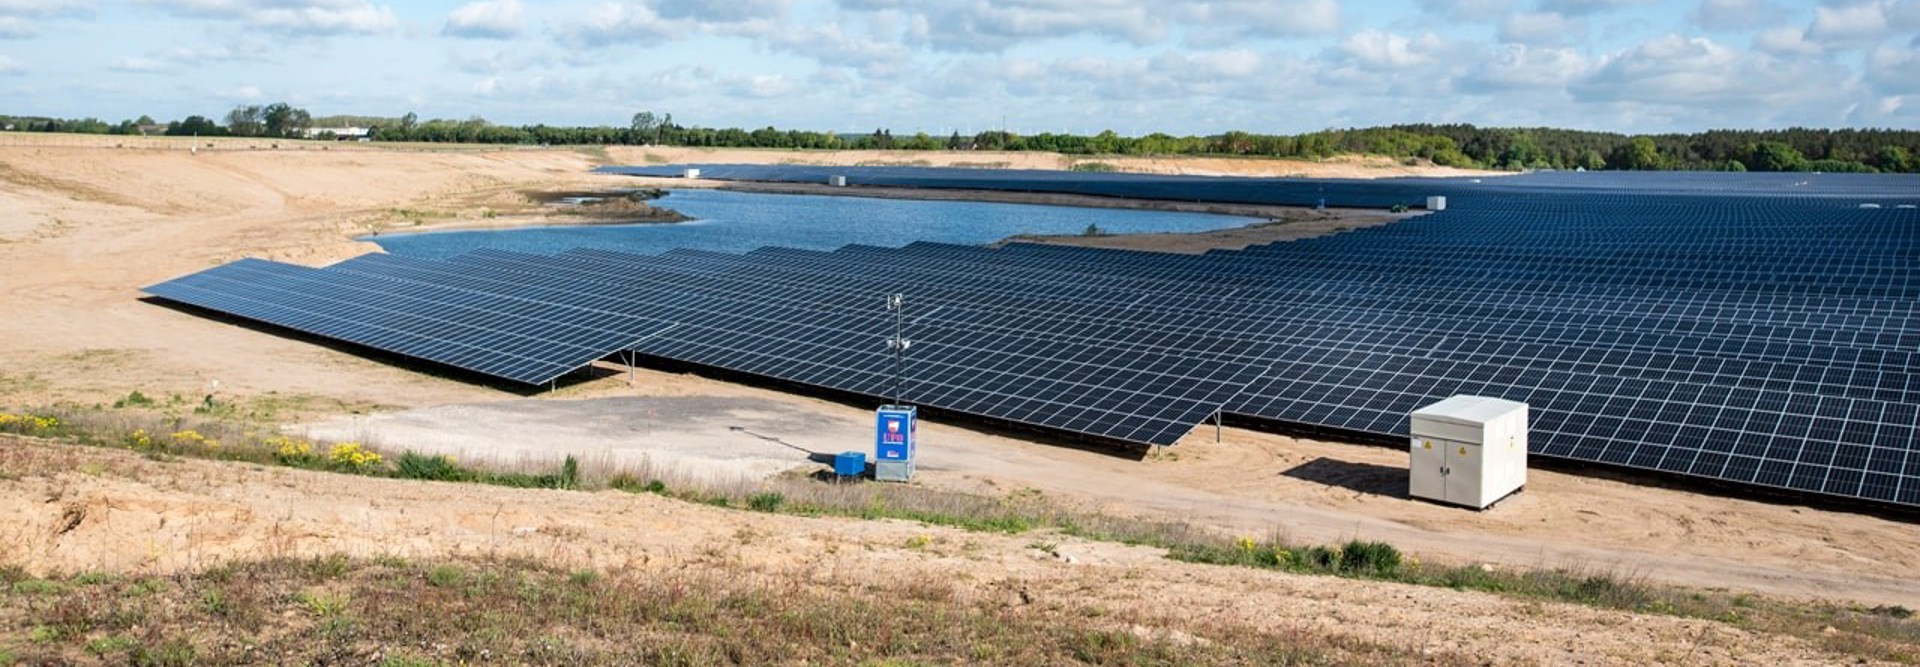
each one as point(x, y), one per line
point(1468, 450)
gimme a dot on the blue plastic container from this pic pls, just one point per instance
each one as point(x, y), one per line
point(850, 464)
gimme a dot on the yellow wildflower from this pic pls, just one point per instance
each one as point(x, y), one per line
point(351, 456)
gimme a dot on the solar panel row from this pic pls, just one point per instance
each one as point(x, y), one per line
point(510, 337)
point(1612, 190)
point(1758, 331)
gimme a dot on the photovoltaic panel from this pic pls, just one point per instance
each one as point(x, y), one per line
point(524, 341)
point(807, 328)
point(1756, 329)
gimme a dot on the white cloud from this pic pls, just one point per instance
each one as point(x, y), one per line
point(358, 17)
point(1223, 23)
point(1894, 70)
point(11, 67)
point(987, 27)
point(14, 27)
point(719, 11)
point(1680, 71)
point(19, 18)
point(487, 19)
point(43, 8)
point(202, 8)
point(546, 86)
point(1233, 64)
point(248, 51)
point(620, 23)
point(673, 81)
point(498, 62)
point(1382, 51)
point(186, 58)
point(1517, 67)
point(1735, 14)
point(1181, 78)
point(1786, 42)
point(136, 64)
point(1583, 7)
point(1467, 10)
point(829, 45)
point(763, 86)
point(1542, 29)
point(1862, 24)
point(983, 27)
point(293, 17)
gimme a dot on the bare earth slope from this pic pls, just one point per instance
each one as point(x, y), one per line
point(146, 517)
point(84, 224)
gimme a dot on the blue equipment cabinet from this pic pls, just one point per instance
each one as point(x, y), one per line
point(850, 464)
point(893, 446)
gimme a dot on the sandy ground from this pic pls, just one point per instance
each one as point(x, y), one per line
point(1247, 483)
point(84, 222)
point(1342, 167)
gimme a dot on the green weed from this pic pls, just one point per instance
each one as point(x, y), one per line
point(766, 501)
point(410, 465)
point(133, 399)
point(445, 576)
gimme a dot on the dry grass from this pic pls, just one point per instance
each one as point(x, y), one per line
point(336, 610)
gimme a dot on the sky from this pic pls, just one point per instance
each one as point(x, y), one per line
point(940, 66)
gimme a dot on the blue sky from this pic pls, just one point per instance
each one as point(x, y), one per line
point(1134, 66)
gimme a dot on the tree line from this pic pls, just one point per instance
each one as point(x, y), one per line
point(1458, 145)
point(277, 120)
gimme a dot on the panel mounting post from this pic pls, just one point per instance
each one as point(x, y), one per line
point(897, 303)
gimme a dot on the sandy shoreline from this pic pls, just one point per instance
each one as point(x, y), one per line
point(1282, 223)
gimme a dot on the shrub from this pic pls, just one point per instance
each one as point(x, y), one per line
point(133, 399)
point(569, 474)
point(766, 501)
point(1370, 559)
point(626, 481)
point(444, 576)
point(442, 468)
point(1895, 611)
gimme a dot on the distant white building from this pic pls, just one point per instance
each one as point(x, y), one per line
point(338, 133)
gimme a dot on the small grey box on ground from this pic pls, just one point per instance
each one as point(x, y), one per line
point(892, 471)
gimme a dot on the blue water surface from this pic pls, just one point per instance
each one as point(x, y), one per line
point(742, 221)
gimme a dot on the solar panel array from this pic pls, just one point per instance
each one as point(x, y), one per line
point(1295, 191)
point(505, 335)
point(1756, 330)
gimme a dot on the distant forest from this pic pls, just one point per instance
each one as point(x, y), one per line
point(1794, 149)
